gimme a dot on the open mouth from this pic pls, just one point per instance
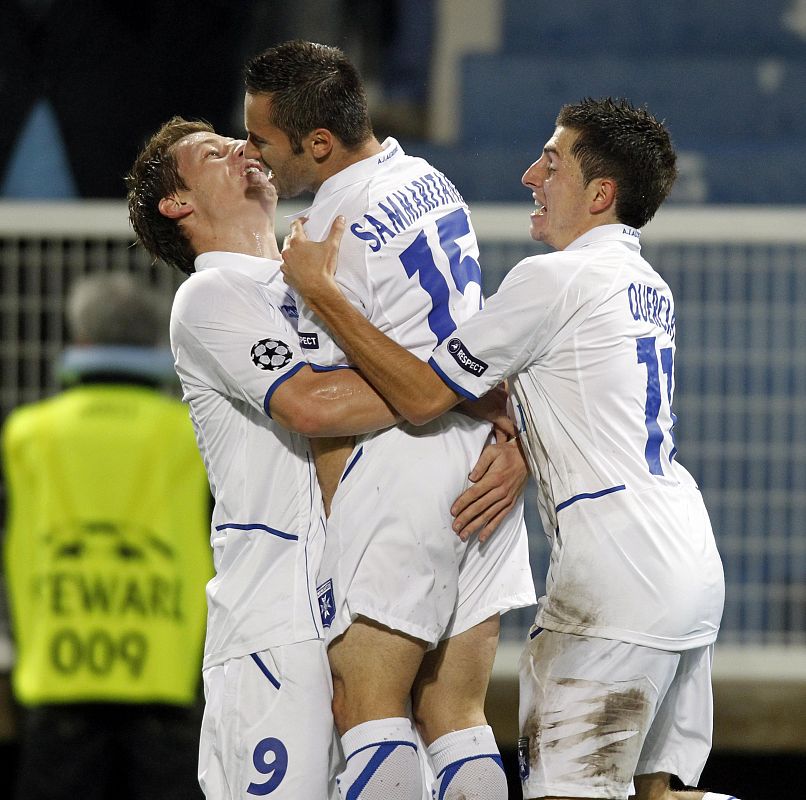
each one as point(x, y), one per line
point(254, 167)
point(256, 176)
point(540, 209)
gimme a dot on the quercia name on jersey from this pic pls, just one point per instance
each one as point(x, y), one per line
point(650, 305)
point(399, 210)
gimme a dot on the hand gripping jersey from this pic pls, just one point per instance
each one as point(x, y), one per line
point(589, 333)
point(234, 343)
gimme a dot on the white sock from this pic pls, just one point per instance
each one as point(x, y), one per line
point(382, 762)
point(468, 765)
point(715, 796)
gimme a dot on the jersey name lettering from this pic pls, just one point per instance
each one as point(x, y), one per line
point(650, 305)
point(399, 210)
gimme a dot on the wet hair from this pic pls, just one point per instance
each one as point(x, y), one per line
point(155, 175)
point(311, 86)
point(619, 141)
point(115, 309)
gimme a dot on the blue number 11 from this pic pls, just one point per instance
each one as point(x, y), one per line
point(648, 355)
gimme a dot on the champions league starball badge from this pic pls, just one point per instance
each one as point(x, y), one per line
point(271, 354)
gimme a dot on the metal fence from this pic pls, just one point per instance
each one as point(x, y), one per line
point(739, 279)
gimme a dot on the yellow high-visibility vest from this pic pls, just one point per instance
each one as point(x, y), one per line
point(106, 547)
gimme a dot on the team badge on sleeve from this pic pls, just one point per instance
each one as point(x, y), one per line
point(327, 603)
point(271, 354)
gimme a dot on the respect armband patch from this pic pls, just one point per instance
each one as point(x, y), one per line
point(309, 341)
point(465, 359)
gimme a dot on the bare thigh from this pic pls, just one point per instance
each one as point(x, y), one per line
point(373, 670)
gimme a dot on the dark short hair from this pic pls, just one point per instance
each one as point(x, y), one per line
point(619, 141)
point(155, 175)
point(311, 86)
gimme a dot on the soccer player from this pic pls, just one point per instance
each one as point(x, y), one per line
point(616, 675)
point(411, 611)
point(196, 202)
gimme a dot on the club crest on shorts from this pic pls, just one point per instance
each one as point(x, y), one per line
point(465, 359)
point(523, 757)
point(327, 603)
point(271, 354)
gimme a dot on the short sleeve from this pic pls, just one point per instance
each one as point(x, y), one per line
point(227, 334)
point(540, 302)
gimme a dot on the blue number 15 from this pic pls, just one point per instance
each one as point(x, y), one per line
point(418, 260)
point(649, 356)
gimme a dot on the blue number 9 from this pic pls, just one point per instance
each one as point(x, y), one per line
point(274, 769)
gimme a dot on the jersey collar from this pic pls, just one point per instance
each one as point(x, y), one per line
point(254, 266)
point(359, 172)
point(608, 233)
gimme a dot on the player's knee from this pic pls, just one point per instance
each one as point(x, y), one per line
point(339, 706)
point(653, 786)
point(439, 715)
point(420, 721)
point(432, 718)
point(351, 707)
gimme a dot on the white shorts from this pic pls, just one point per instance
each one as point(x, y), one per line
point(596, 712)
point(391, 554)
point(268, 727)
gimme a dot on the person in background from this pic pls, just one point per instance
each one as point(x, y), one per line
point(106, 557)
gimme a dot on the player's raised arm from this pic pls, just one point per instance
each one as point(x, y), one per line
point(410, 385)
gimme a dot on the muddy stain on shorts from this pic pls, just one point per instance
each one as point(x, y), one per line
point(600, 728)
point(619, 720)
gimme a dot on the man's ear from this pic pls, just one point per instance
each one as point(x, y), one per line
point(320, 142)
point(174, 208)
point(605, 195)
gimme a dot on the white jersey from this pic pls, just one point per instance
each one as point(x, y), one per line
point(590, 334)
point(408, 261)
point(409, 258)
point(234, 343)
